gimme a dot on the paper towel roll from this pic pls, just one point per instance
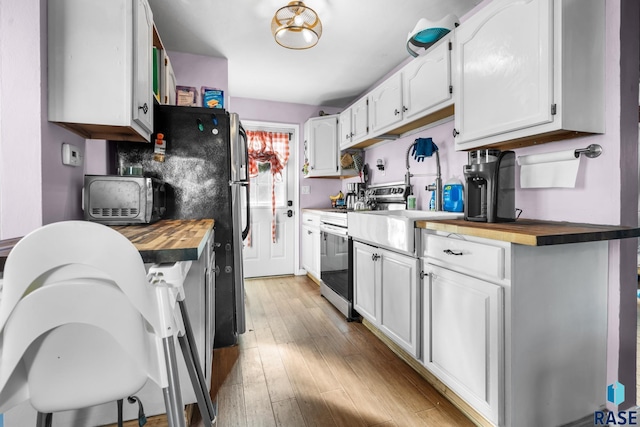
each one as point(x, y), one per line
point(558, 156)
point(548, 170)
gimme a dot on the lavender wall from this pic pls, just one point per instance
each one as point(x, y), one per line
point(20, 174)
point(36, 188)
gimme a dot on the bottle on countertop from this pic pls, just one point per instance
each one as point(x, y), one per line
point(453, 195)
point(432, 201)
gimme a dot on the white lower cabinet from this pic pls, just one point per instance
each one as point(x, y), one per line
point(311, 244)
point(463, 336)
point(386, 293)
point(518, 332)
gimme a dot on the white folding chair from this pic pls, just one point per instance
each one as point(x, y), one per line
point(81, 324)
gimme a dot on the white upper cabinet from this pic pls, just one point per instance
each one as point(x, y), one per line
point(529, 71)
point(100, 68)
point(354, 123)
point(386, 104)
point(321, 146)
point(142, 101)
point(360, 119)
point(344, 128)
point(426, 82)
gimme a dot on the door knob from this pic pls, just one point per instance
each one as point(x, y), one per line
point(289, 213)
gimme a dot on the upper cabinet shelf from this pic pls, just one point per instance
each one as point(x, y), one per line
point(529, 72)
point(101, 68)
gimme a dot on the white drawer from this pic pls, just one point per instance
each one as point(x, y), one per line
point(310, 219)
point(461, 254)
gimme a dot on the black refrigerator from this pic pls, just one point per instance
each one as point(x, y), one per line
point(205, 169)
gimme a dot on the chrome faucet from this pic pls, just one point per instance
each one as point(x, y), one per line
point(437, 186)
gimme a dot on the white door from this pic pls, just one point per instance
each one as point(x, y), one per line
point(261, 255)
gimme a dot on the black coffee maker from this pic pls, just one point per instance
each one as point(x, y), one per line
point(489, 191)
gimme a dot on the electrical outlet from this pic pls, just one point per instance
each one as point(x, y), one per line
point(305, 189)
point(71, 156)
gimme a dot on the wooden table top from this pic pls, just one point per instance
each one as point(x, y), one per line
point(169, 240)
point(533, 232)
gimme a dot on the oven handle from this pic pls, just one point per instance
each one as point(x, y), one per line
point(332, 229)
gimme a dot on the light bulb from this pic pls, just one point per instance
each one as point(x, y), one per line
point(298, 21)
point(308, 37)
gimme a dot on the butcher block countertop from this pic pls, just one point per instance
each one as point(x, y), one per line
point(169, 240)
point(532, 232)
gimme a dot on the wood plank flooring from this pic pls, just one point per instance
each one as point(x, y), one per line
point(302, 364)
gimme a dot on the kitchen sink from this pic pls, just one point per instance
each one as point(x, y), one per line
point(392, 229)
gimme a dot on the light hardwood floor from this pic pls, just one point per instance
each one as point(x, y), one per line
point(302, 364)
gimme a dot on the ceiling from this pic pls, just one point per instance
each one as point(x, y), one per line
point(362, 41)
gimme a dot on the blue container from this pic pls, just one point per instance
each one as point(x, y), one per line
point(452, 196)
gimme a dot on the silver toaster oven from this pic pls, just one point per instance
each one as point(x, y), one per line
point(120, 200)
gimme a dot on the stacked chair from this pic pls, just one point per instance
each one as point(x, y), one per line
point(83, 323)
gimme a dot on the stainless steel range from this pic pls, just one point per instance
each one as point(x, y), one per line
point(336, 275)
point(387, 196)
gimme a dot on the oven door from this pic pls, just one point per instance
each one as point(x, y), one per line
point(334, 262)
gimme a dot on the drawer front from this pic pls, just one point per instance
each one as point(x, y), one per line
point(311, 220)
point(471, 256)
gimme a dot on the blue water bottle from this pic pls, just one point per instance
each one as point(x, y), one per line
point(452, 196)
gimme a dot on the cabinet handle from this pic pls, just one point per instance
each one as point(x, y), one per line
point(375, 257)
point(455, 132)
point(396, 112)
point(404, 109)
point(351, 134)
point(450, 252)
point(144, 108)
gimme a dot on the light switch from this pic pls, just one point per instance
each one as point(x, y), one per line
point(305, 189)
point(71, 156)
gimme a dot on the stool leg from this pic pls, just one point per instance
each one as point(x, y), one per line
point(172, 394)
point(190, 353)
point(44, 419)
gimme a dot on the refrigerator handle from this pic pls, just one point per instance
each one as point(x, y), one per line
point(245, 232)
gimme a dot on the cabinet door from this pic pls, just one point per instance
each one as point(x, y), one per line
point(360, 119)
point(504, 69)
point(400, 300)
point(309, 250)
point(366, 268)
point(345, 132)
point(142, 106)
point(386, 103)
point(426, 81)
point(322, 145)
point(463, 337)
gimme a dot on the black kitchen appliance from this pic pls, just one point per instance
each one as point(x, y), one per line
point(489, 191)
point(336, 263)
point(205, 169)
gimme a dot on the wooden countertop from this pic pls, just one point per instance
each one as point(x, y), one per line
point(169, 240)
point(533, 232)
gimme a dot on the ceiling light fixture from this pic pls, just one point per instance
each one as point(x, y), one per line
point(296, 26)
point(426, 32)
